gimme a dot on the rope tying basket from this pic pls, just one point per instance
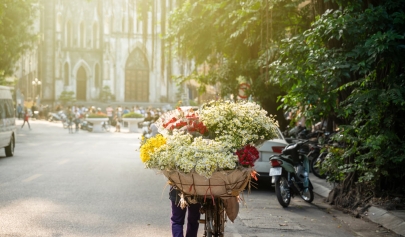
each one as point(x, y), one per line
point(224, 184)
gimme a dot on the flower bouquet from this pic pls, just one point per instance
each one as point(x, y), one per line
point(210, 151)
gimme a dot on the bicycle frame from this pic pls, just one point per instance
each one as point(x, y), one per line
point(215, 217)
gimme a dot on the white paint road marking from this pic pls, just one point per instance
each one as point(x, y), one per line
point(32, 177)
point(63, 162)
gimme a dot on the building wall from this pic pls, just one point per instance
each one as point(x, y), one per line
point(102, 33)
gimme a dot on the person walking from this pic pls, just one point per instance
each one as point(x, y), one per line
point(70, 119)
point(19, 111)
point(178, 216)
point(26, 118)
point(117, 124)
point(34, 110)
point(119, 112)
point(77, 119)
point(109, 111)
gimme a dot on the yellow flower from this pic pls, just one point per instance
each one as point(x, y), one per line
point(150, 146)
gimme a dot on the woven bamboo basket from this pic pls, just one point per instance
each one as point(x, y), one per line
point(222, 184)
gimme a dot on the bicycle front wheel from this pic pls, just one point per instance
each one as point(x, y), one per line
point(214, 218)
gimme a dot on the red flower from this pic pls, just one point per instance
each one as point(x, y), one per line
point(196, 126)
point(248, 155)
point(166, 125)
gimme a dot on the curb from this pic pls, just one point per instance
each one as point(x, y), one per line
point(377, 215)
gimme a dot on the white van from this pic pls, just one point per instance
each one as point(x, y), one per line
point(7, 121)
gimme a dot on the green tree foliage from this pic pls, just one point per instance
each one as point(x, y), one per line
point(16, 34)
point(106, 95)
point(67, 97)
point(350, 66)
point(234, 39)
point(347, 67)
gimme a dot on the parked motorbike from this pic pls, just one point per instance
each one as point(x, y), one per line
point(313, 154)
point(313, 145)
point(318, 155)
point(58, 116)
point(289, 172)
point(85, 125)
point(291, 134)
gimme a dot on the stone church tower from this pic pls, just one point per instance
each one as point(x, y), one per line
point(88, 45)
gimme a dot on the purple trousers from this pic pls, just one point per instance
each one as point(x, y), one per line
point(178, 217)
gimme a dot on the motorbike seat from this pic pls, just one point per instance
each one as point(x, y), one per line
point(291, 150)
point(290, 159)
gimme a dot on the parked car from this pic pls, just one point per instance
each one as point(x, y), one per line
point(267, 149)
point(7, 121)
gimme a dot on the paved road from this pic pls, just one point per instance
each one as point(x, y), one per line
point(88, 184)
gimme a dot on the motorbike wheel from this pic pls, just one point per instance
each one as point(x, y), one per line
point(312, 157)
point(282, 191)
point(316, 164)
point(308, 195)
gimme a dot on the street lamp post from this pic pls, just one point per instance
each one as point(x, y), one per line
point(35, 84)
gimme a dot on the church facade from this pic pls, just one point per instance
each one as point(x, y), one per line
point(90, 47)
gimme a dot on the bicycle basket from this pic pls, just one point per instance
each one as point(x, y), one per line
point(222, 184)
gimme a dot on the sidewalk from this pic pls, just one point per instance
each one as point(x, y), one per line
point(392, 220)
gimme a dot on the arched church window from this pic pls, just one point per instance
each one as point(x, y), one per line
point(68, 34)
point(131, 25)
point(82, 36)
point(59, 22)
point(81, 84)
point(97, 81)
point(137, 77)
point(66, 74)
point(95, 35)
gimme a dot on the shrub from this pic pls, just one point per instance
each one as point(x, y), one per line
point(133, 115)
point(99, 115)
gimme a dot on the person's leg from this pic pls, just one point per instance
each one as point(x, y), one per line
point(29, 126)
point(193, 217)
point(23, 124)
point(177, 220)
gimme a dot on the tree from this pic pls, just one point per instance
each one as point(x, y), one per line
point(350, 66)
point(16, 34)
point(105, 94)
point(67, 97)
point(233, 39)
point(347, 67)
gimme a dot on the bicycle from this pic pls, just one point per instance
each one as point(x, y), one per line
point(215, 217)
point(106, 126)
point(217, 195)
